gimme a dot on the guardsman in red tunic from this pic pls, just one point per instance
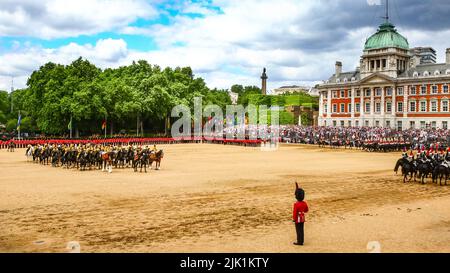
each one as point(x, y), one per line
point(300, 208)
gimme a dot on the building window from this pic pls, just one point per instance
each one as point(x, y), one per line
point(378, 107)
point(400, 91)
point(349, 107)
point(357, 123)
point(445, 89)
point(334, 108)
point(399, 125)
point(342, 94)
point(350, 94)
point(366, 123)
point(434, 89)
point(388, 123)
point(423, 125)
point(342, 108)
point(358, 93)
point(367, 108)
point(367, 93)
point(445, 106)
point(334, 123)
point(412, 106)
point(377, 123)
point(445, 125)
point(349, 123)
point(423, 106)
point(412, 124)
point(433, 106)
point(342, 123)
point(378, 92)
point(400, 106)
point(389, 107)
point(413, 90)
point(423, 90)
point(433, 125)
point(325, 108)
point(334, 94)
point(358, 108)
point(389, 91)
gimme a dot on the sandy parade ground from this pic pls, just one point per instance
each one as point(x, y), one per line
point(214, 198)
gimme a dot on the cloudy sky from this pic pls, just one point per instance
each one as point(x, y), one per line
point(224, 41)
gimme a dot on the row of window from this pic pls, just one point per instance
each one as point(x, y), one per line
point(366, 123)
point(400, 67)
point(427, 73)
point(412, 124)
point(423, 90)
point(422, 106)
point(400, 92)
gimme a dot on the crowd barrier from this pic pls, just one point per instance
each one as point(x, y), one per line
point(128, 141)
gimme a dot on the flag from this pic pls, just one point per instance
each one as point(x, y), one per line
point(19, 121)
point(104, 125)
point(69, 126)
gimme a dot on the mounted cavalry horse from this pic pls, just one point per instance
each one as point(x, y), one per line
point(140, 159)
point(11, 146)
point(86, 157)
point(408, 168)
point(156, 157)
point(29, 153)
point(437, 165)
point(107, 160)
point(442, 171)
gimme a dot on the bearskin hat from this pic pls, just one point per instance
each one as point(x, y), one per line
point(299, 193)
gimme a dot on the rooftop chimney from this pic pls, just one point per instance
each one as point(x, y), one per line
point(447, 56)
point(338, 69)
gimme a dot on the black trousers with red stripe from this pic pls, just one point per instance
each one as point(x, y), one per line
point(300, 229)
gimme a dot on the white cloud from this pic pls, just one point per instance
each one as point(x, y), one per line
point(374, 2)
point(237, 43)
point(20, 64)
point(61, 18)
point(290, 38)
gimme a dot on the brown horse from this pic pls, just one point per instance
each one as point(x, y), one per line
point(156, 157)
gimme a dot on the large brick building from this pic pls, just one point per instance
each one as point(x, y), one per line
point(391, 88)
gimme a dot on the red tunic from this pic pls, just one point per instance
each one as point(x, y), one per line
point(300, 208)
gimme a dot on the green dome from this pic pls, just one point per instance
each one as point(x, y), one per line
point(386, 36)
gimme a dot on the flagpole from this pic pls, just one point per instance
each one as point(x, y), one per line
point(106, 124)
point(71, 125)
point(20, 121)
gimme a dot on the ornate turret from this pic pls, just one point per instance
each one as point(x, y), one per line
point(386, 36)
point(386, 51)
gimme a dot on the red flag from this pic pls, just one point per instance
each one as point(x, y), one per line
point(104, 125)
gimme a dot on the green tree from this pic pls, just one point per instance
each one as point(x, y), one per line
point(131, 97)
point(238, 89)
point(11, 125)
point(4, 102)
